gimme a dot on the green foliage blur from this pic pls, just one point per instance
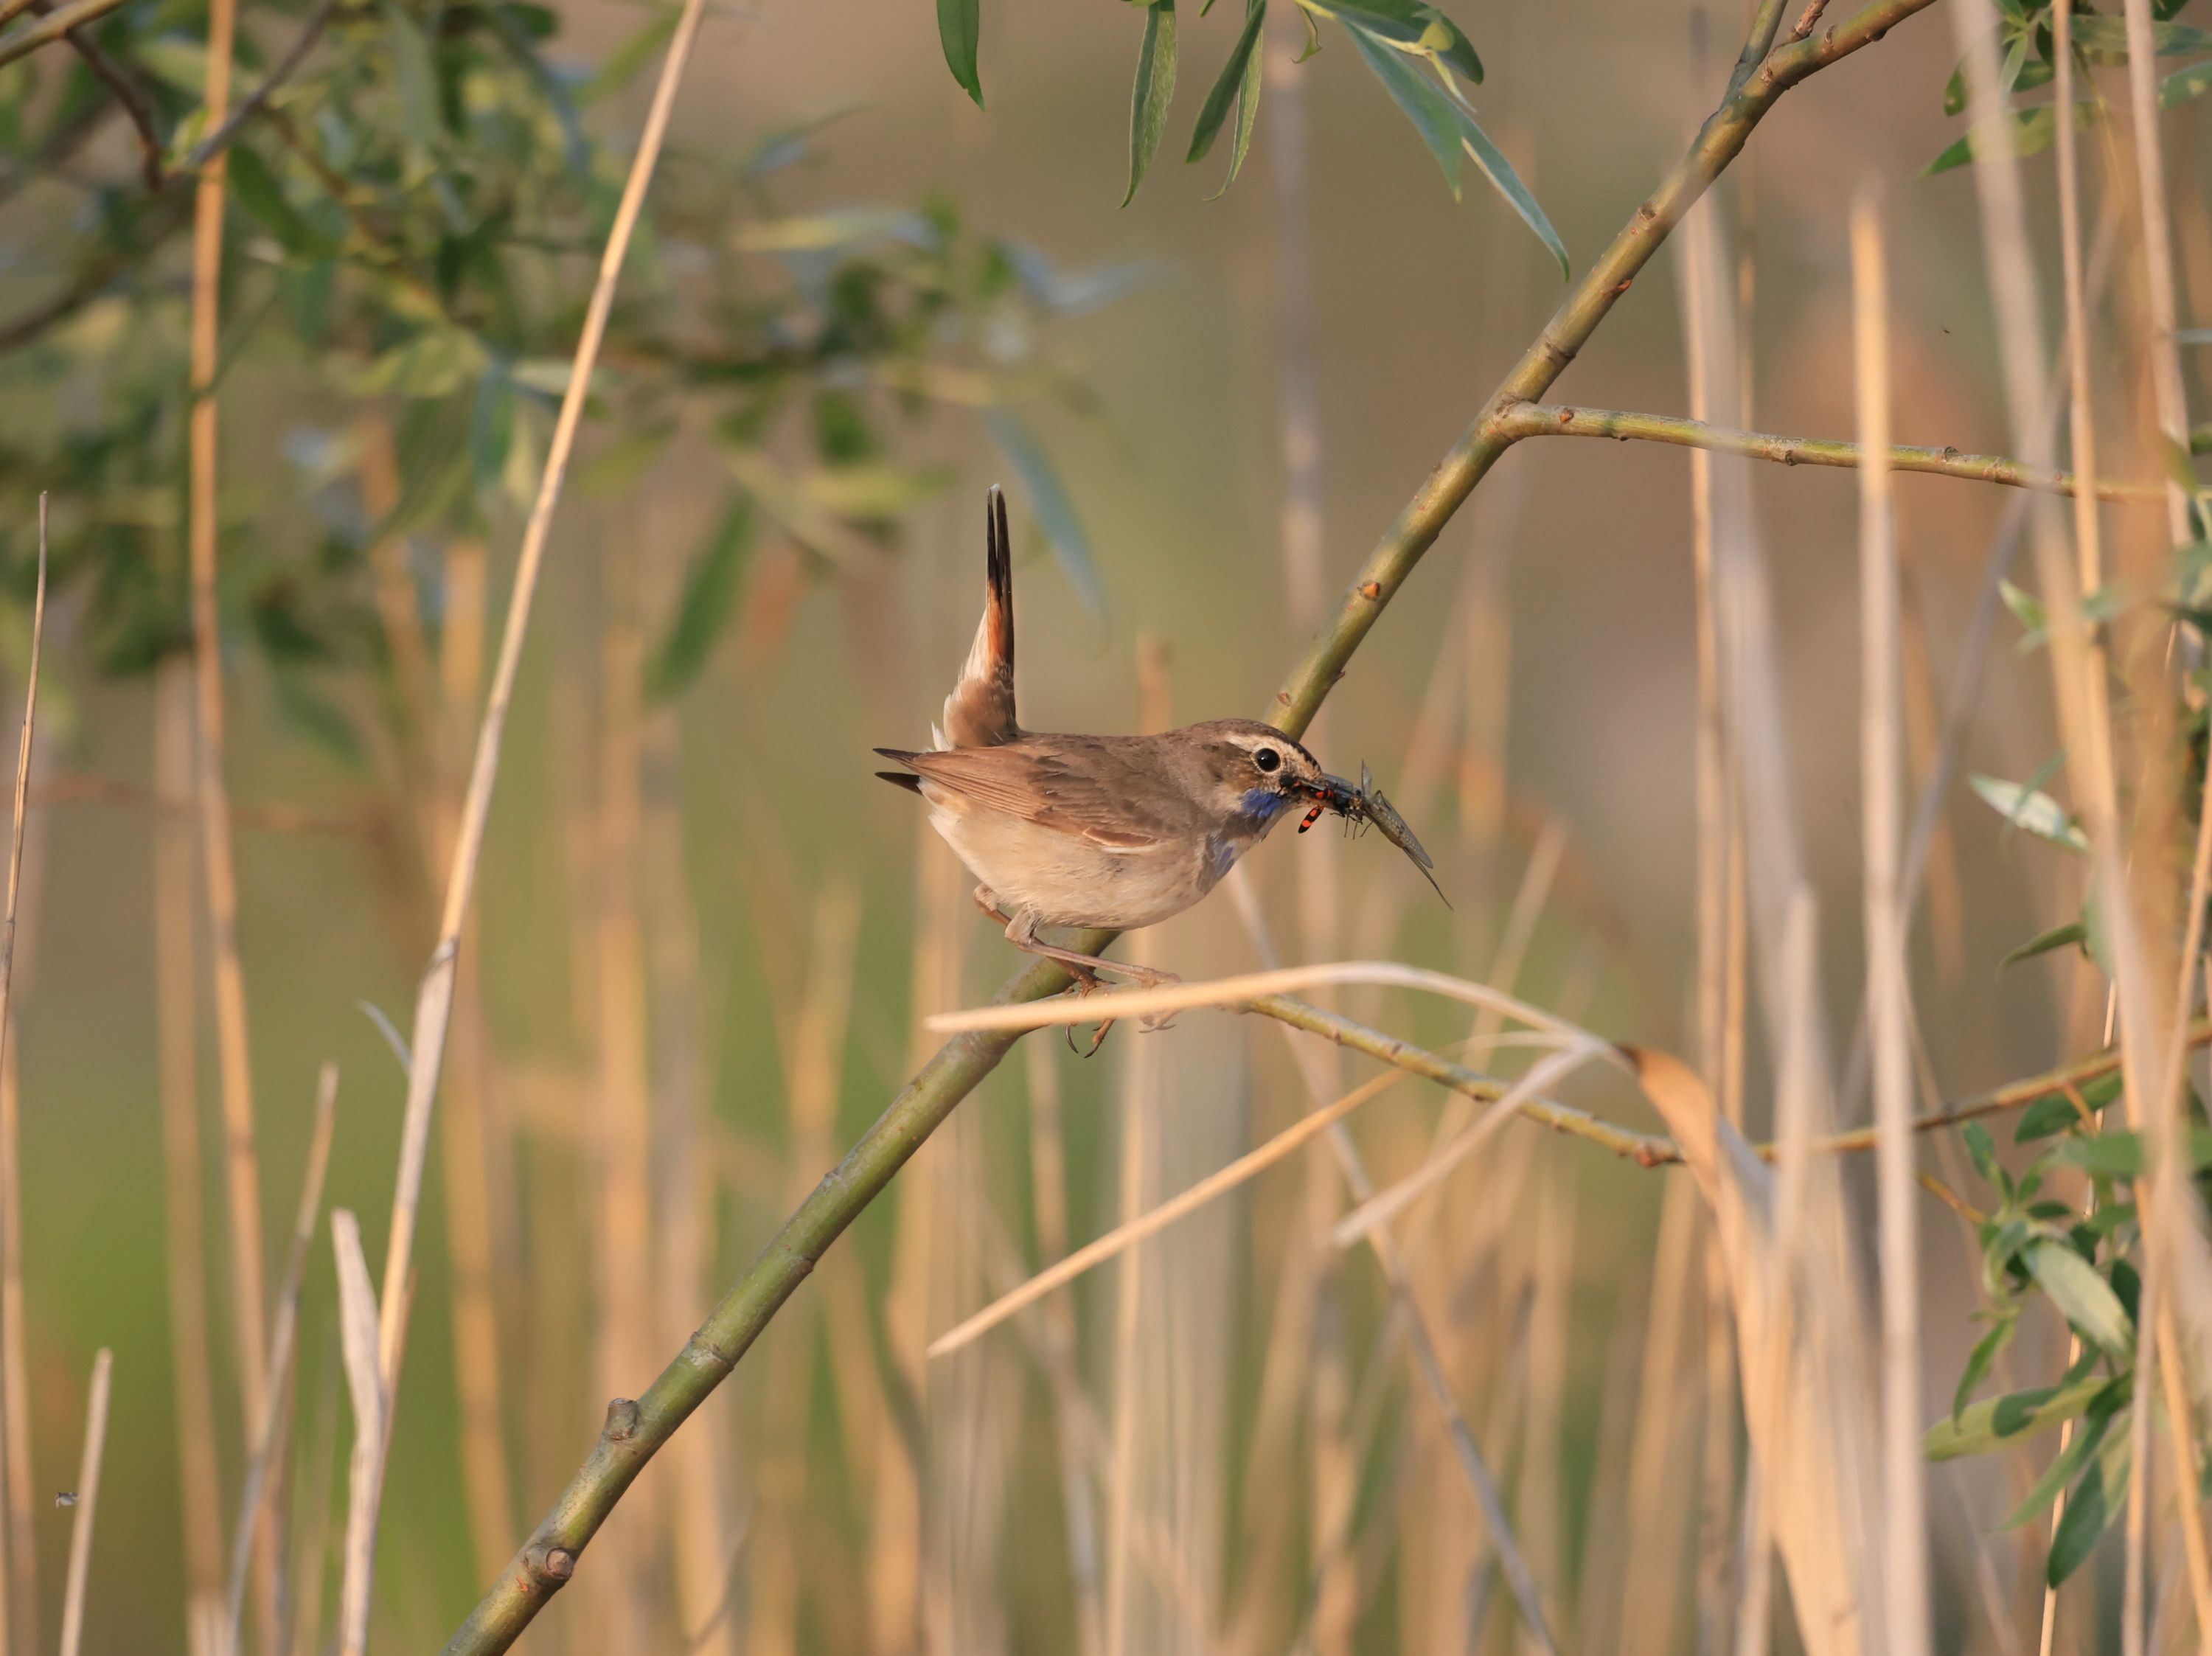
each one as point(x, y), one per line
point(418, 196)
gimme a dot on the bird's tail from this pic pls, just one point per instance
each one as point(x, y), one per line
point(980, 712)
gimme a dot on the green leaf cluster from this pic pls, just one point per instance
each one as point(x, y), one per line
point(1416, 52)
point(414, 219)
point(2033, 1246)
point(2027, 52)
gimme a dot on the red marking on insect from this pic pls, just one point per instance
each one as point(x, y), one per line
point(1313, 815)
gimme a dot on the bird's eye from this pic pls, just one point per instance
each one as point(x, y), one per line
point(1268, 759)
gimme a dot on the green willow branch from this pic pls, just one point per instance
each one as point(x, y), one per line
point(1717, 144)
point(1526, 420)
point(1656, 1151)
point(634, 1431)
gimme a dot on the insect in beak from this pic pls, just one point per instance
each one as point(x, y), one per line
point(1313, 815)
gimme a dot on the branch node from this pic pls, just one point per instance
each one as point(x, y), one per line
point(621, 1421)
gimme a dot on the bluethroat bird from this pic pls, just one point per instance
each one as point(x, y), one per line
point(1116, 832)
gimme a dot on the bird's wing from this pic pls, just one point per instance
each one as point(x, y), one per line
point(1069, 792)
point(980, 712)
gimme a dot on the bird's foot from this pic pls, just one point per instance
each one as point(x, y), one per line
point(1087, 982)
point(1151, 977)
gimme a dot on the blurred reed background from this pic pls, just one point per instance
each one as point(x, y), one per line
point(706, 938)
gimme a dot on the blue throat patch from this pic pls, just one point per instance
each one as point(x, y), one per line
point(1262, 805)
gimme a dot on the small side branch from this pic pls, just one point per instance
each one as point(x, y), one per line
point(1522, 419)
point(51, 27)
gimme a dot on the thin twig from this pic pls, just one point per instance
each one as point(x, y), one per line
point(283, 1347)
point(1526, 420)
point(128, 95)
point(1385, 1205)
point(1808, 20)
point(219, 140)
point(86, 789)
point(86, 1503)
point(1647, 1150)
point(53, 27)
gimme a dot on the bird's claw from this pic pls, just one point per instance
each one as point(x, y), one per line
point(1087, 982)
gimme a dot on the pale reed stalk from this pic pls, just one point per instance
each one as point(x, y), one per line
point(87, 1504)
point(621, 1152)
point(1141, 1094)
point(1889, 1010)
point(702, 1534)
point(14, 1356)
point(265, 1450)
point(185, 1255)
point(434, 1003)
point(234, 1049)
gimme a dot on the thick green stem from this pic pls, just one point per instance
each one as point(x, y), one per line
point(1718, 143)
point(1526, 420)
point(635, 1432)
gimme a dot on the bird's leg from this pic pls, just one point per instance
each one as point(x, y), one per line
point(1021, 931)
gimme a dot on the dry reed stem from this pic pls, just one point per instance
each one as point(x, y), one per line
point(2171, 1244)
point(283, 1344)
point(87, 1504)
point(242, 1166)
point(2172, 402)
point(1538, 1510)
point(14, 1342)
point(1810, 1440)
point(184, 1256)
point(357, 1326)
point(434, 1000)
point(1653, 1567)
point(1427, 1364)
point(1152, 1221)
point(1646, 1149)
point(1243, 990)
point(434, 1003)
point(1889, 1011)
point(2171, 420)
point(1057, 1344)
point(1304, 1285)
point(1141, 1076)
point(814, 1070)
point(624, 1330)
point(704, 1543)
point(436, 699)
point(896, 1538)
point(14, 1362)
point(1720, 889)
point(311, 1558)
point(1380, 1209)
